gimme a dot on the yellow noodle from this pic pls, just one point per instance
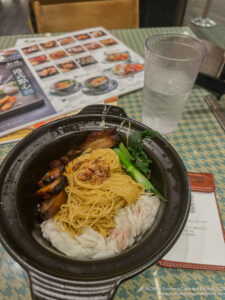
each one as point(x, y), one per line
point(94, 204)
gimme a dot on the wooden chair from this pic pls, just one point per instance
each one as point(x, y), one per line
point(70, 15)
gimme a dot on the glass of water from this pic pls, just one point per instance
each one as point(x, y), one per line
point(172, 62)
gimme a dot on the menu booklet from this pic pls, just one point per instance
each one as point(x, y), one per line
point(201, 244)
point(47, 77)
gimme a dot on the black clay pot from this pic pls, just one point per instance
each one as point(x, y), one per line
point(52, 274)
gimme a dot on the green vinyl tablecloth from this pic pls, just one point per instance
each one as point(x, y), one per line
point(199, 140)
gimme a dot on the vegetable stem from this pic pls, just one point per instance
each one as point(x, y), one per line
point(125, 151)
point(135, 173)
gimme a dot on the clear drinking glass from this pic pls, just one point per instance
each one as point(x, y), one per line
point(172, 62)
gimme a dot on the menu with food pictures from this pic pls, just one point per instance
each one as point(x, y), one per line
point(67, 72)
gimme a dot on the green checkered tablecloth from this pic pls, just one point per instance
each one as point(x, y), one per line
point(200, 142)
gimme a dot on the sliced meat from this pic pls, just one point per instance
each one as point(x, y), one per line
point(50, 207)
point(73, 153)
point(65, 160)
point(54, 164)
point(51, 175)
point(101, 139)
point(55, 187)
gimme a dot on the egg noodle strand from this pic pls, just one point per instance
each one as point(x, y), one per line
point(94, 204)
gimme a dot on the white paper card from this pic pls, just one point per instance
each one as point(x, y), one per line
point(201, 241)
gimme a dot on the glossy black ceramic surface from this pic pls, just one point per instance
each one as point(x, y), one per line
point(52, 274)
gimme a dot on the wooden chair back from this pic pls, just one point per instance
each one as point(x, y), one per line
point(58, 16)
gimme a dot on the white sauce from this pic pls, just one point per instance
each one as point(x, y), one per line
point(131, 222)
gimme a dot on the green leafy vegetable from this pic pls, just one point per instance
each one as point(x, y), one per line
point(132, 171)
point(135, 139)
point(135, 147)
point(125, 160)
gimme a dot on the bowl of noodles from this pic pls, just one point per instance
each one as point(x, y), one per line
point(64, 85)
point(99, 83)
point(52, 271)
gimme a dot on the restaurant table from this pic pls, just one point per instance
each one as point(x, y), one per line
point(200, 142)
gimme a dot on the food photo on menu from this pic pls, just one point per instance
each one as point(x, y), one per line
point(75, 50)
point(31, 49)
point(86, 60)
point(65, 87)
point(37, 60)
point(108, 42)
point(49, 45)
point(124, 70)
point(99, 85)
point(57, 54)
point(92, 46)
point(117, 56)
point(7, 55)
point(82, 36)
point(22, 100)
point(67, 66)
point(97, 33)
point(47, 72)
point(66, 40)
